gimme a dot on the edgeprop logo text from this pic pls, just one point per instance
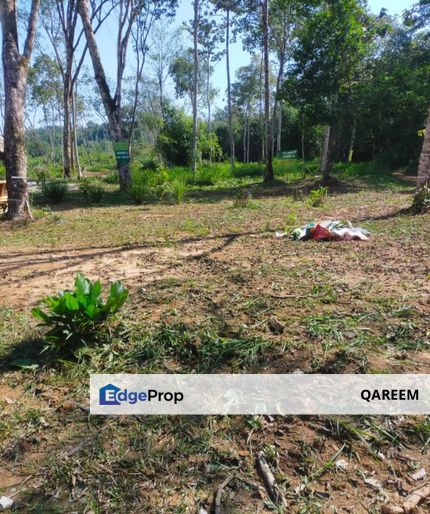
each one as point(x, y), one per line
point(110, 394)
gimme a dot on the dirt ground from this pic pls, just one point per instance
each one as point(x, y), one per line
point(346, 307)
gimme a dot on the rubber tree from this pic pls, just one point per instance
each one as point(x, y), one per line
point(127, 12)
point(15, 73)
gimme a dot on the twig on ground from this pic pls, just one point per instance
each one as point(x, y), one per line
point(269, 481)
point(217, 503)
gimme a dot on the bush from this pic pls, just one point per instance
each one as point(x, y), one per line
point(74, 316)
point(318, 197)
point(55, 190)
point(92, 191)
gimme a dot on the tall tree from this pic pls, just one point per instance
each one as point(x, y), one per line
point(268, 175)
point(196, 21)
point(15, 72)
point(229, 7)
point(127, 12)
point(330, 44)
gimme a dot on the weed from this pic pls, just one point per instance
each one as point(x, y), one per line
point(317, 197)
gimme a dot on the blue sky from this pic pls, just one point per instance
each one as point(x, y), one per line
point(238, 56)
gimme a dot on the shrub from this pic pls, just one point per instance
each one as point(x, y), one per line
point(74, 316)
point(178, 189)
point(421, 202)
point(54, 190)
point(318, 197)
point(92, 191)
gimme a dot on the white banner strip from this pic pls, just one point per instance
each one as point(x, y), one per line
point(259, 394)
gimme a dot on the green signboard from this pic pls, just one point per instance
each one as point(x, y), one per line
point(288, 154)
point(121, 152)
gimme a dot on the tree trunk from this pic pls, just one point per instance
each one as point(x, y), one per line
point(195, 83)
point(247, 137)
point(423, 177)
point(230, 115)
point(303, 138)
point(325, 158)
point(268, 177)
point(75, 135)
point(15, 71)
point(279, 134)
point(352, 143)
point(209, 102)
point(67, 139)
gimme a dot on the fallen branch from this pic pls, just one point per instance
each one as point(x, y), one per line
point(217, 504)
point(269, 481)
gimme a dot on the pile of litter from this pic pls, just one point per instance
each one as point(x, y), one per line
point(329, 230)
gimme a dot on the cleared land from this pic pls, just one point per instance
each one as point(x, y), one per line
point(205, 278)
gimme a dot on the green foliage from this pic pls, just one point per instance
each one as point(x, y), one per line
point(139, 187)
point(291, 221)
point(73, 317)
point(421, 202)
point(149, 185)
point(112, 177)
point(174, 139)
point(92, 190)
point(317, 197)
point(178, 188)
point(54, 190)
point(252, 169)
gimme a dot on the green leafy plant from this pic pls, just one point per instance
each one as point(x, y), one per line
point(92, 191)
point(73, 317)
point(317, 197)
point(54, 190)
